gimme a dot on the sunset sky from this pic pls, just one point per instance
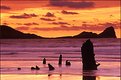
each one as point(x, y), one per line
point(55, 18)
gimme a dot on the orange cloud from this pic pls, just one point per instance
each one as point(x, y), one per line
point(49, 14)
point(61, 28)
point(60, 23)
point(30, 24)
point(22, 28)
point(70, 4)
point(47, 19)
point(3, 7)
point(60, 4)
point(66, 12)
point(84, 26)
point(24, 16)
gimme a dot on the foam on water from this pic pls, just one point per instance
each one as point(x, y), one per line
point(30, 52)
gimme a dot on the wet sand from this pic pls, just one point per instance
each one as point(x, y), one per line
point(52, 77)
point(74, 72)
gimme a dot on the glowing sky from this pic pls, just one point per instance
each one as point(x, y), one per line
point(54, 18)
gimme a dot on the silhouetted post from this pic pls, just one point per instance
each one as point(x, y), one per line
point(44, 61)
point(60, 60)
point(88, 56)
point(32, 68)
point(50, 67)
point(19, 68)
point(37, 68)
point(68, 63)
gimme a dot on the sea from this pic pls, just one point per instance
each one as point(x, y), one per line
point(27, 53)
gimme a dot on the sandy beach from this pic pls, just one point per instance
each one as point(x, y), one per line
point(52, 77)
point(73, 72)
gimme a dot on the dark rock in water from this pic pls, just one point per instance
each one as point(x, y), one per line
point(49, 75)
point(33, 68)
point(60, 60)
point(37, 68)
point(44, 61)
point(19, 68)
point(88, 56)
point(51, 67)
point(108, 33)
point(68, 63)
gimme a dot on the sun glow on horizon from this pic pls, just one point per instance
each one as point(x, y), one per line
point(54, 21)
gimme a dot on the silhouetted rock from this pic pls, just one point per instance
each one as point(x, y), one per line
point(33, 68)
point(19, 68)
point(108, 33)
point(86, 35)
point(60, 60)
point(50, 67)
point(68, 63)
point(37, 68)
point(88, 56)
point(44, 61)
point(7, 32)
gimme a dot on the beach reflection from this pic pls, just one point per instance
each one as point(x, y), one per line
point(54, 77)
point(89, 78)
point(89, 75)
point(50, 77)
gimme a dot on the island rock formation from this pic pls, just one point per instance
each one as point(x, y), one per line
point(7, 32)
point(88, 56)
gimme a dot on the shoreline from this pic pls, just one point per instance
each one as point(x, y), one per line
point(75, 69)
point(53, 77)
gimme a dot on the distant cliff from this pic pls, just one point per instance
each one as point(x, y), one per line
point(7, 32)
point(107, 33)
point(86, 35)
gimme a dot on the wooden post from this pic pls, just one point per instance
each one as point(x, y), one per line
point(88, 56)
point(50, 67)
point(44, 61)
point(60, 60)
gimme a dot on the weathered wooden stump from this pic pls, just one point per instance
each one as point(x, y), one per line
point(37, 68)
point(50, 67)
point(32, 68)
point(44, 61)
point(68, 63)
point(88, 56)
point(18, 68)
point(60, 60)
